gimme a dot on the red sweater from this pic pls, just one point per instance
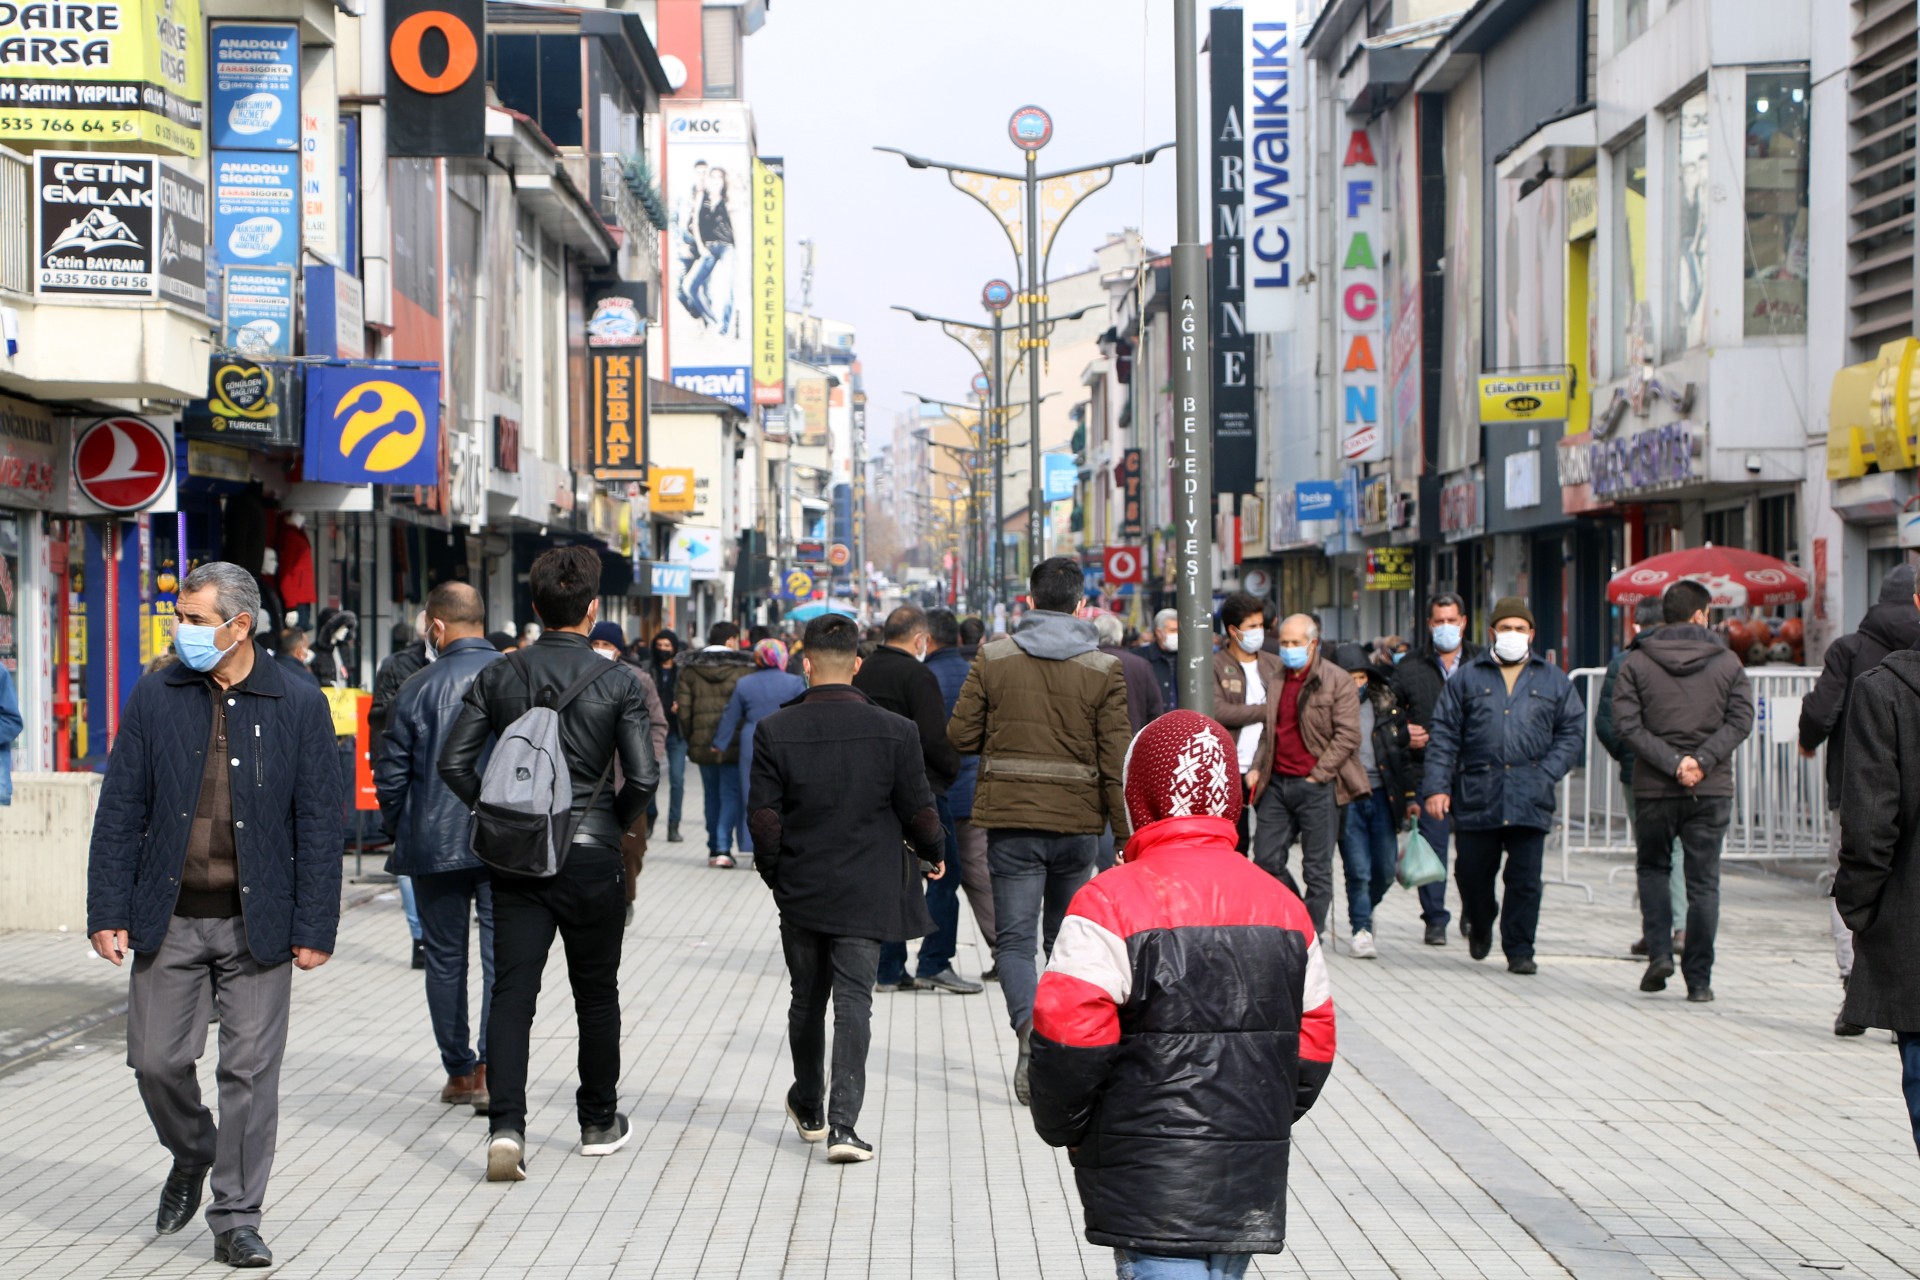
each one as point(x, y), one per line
point(1291, 759)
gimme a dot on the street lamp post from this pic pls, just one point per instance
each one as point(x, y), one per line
point(1193, 414)
point(1015, 200)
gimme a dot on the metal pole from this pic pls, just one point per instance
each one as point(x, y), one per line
point(996, 439)
point(1193, 416)
point(1035, 534)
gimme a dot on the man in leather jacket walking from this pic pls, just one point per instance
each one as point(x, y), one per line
point(586, 902)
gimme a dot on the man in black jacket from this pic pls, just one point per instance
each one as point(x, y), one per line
point(896, 678)
point(1646, 616)
point(1161, 651)
point(428, 825)
point(837, 785)
point(1418, 683)
point(1878, 885)
point(215, 861)
point(1890, 626)
point(1683, 705)
point(586, 902)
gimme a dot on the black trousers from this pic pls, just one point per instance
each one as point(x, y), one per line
point(1477, 862)
point(1700, 824)
point(586, 905)
point(823, 967)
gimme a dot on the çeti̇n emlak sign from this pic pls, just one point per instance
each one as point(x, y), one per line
point(117, 72)
point(255, 74)
point(1236, 444)
point(94, 223)
point(368, 424)
point(436, 85)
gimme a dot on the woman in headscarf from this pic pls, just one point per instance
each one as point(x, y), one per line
point(756, 696)
point(663, 668)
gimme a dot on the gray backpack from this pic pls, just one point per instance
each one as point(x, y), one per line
point(523, 823)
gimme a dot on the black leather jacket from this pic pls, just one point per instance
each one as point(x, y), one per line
point(610, 716)
point(427, 821)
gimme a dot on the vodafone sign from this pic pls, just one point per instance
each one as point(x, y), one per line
point(122, 464)
point(1123, 566)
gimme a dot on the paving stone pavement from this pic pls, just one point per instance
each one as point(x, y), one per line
point(1477, 1123)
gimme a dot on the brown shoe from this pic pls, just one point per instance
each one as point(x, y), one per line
point(458, 1091)
point(482, 1101)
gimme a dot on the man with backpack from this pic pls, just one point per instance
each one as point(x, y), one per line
point(548, 824)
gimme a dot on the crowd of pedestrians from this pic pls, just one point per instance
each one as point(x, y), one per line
point(1129, 863)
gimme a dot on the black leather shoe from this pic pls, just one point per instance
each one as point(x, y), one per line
point(1523, 967)
point(1479, 948)
point(1436, 934)
point(180, 1197)
point(241, 1247)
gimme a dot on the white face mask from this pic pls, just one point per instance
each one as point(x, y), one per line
point(1252, 638)
point(1511, 646)
point(1171, 642)
point(608, 654)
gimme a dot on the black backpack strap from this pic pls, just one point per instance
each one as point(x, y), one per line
point(579, 686)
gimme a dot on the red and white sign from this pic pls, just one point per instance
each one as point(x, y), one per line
point(838, 555)
point(1123, 565)
point(122, 464)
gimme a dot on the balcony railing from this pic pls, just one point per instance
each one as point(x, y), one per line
point(16, 222)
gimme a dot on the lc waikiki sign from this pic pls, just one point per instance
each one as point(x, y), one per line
point(1274, 183)
point(1361, 437)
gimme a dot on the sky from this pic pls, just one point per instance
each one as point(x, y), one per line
point(831, 79)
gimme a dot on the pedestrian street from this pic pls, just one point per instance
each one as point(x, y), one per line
point(1477, 1123)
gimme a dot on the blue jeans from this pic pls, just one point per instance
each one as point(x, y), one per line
point(726, 814)
point(676, 781)
point(1035, 875)
point(943, 904)
point(1909, 1075)
point(1433, 897)
point(1370, 854)
point(444, 899)
point(1158, 1266)
point(409, 907)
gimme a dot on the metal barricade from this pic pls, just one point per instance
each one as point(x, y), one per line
point(1780, 797)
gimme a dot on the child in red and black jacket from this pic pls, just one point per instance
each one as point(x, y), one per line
point(1185, 1021)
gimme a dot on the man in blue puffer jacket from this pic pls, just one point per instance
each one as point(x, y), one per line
point(428, 824)
point(1507, 728)
point(215, 860)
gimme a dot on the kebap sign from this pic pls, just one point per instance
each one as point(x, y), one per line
point(114, 71)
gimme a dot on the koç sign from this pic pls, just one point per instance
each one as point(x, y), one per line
point(436, 89)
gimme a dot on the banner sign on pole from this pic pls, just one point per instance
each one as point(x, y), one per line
point(1236, 444)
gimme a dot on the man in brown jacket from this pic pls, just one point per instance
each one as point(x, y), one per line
point(1297, 723)
point(1046, 712)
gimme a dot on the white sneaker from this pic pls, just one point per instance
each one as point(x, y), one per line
point(1362, 948)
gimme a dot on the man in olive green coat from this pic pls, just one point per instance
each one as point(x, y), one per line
point(1046, 712)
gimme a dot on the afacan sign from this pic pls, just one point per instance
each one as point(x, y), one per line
point(1362, 438)
point(1275, 179)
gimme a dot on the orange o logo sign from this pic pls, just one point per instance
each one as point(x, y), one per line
point(463, 52)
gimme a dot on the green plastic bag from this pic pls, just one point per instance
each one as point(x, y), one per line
point(1419, 864)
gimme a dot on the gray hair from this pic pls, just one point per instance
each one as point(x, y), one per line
point(234, 589)
point(1313, 625)
point(1110, 629)
point(1165, 616)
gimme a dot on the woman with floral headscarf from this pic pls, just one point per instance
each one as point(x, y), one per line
point(756, 696)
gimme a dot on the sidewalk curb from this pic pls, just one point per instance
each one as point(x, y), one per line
point(20, 1054)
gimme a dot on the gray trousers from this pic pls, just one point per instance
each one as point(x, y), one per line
point(167, 1008)
point(1293, 809)
point(975, 877)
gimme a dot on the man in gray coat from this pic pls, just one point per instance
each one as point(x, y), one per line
point(1682, 705)
point(1878, 885)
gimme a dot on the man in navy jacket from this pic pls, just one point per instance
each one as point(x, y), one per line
point(215, 860)
point(1506, 729)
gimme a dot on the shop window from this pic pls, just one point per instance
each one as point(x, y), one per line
point(539, 76)
point(1724, 528)
point(1632, 317)
point(1775, 300)
point(1687, 228)
point(1778, 534)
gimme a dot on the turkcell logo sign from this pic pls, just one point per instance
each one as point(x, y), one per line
point(727, 383)
point(1316, 500)
point(1272, 219)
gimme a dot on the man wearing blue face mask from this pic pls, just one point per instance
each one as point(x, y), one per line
point(215, 860)
point(1418, 682)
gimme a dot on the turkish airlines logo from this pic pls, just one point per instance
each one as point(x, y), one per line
point(406, 52)
point(123, 464)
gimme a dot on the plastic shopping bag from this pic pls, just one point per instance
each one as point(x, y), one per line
point(1419, 864)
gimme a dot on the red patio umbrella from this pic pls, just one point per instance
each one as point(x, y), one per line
point(1737, 578)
